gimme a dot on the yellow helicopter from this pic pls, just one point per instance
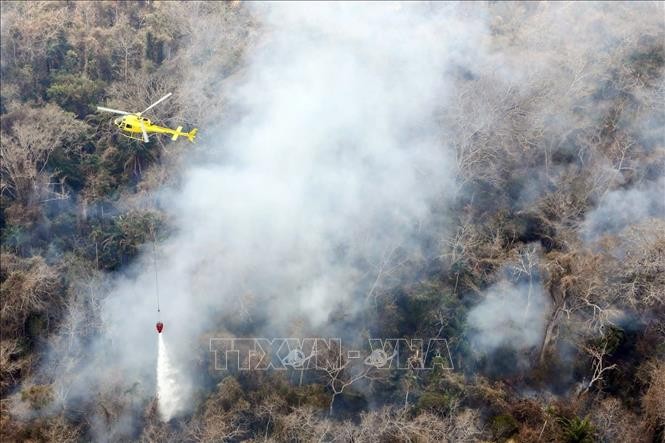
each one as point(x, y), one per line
point(133, 124)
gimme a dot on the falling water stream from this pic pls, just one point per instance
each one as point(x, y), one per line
point(167, 386)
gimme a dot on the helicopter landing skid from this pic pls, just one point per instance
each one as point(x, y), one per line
point(134, 138)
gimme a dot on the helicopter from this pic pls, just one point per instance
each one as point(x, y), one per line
point(134, 125)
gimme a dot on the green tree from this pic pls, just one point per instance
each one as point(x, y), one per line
point(75, 93)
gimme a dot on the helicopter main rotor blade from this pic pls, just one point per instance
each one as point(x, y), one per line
point(145, 134)
point(115, 111)
point(157, 102)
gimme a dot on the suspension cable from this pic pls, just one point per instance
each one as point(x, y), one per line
point(154, 263)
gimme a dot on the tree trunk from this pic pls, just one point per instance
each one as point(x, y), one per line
point(549, 333)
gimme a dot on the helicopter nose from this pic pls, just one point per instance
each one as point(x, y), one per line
point(117, 121)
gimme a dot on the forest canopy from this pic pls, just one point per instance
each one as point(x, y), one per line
point(491, 175)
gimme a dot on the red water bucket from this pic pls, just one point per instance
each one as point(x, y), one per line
point(160, 326)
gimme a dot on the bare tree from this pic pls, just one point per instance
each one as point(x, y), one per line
point(598, 364)
point(388, 424)
point(128, 43)
point(26, 149)
point(304, 424)
point(269, 409)
point(653, 400)
point(615, 423)
point(60, 430)
point(9, 363)
point(29, 287)
point(340, 372)
point(527, 265)
point(223, 415)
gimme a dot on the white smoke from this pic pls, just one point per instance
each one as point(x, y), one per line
point(622, 208)
point(336, 157)
point(333, 156)
point(330, 153)
point(514, 310)
point(511, 315)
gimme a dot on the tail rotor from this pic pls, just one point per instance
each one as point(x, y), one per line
point(191, 134)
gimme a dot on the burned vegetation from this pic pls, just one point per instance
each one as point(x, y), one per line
point(534, 250)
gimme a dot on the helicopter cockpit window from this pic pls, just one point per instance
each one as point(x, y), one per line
point(128, 126)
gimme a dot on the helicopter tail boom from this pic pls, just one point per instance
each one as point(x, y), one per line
point(178, 132)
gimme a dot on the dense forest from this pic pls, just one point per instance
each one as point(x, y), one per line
point(488, 174)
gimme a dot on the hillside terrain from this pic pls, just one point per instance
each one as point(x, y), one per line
point(490, 176)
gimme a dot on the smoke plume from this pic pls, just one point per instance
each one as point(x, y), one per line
point(513, 311)
point(326, 150)
point(511, 315)
point(329, 155)
point(621, 208)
